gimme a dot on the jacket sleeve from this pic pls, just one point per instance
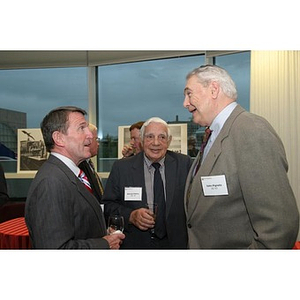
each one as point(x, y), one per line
point(113, 197)
point(268, 196)
point(58, 219)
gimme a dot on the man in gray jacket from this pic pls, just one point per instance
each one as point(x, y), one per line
point(240, 196)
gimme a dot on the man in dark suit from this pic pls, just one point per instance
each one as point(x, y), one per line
point(61, 212)
point(240, 197)
point(3, 188)
point(88, 168)
point(130, 189)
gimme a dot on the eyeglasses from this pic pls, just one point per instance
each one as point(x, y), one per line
point(151, 137)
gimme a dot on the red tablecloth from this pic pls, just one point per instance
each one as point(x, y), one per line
point(297, 245)
point(14, 234)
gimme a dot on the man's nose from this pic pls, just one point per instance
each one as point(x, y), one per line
point(89, 133)
point(186, 102)
point(156, 140)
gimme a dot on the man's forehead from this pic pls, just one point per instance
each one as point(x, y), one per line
point(156, 126)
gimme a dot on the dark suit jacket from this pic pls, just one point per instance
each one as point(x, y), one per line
point(129, 172)
point(60, 212)
point(84, 166)
point(3, 188)
point(260, 210)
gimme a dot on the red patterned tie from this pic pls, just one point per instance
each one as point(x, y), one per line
point(204, 142)
point(205, 139)
point(85, 180)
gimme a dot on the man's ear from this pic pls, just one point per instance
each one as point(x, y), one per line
point(169, 141)
point(58, 138)
point(214, 89)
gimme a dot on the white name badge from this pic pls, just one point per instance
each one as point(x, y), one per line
point(133, 194)
point(214, 185)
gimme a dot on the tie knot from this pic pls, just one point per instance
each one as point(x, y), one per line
point(156, 166)
point(207, 134)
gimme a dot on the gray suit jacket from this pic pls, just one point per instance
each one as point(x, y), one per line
point(260, 210)
point(61, 213)
point(129, 172)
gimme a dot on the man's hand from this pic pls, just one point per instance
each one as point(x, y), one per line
point(142, 218)
point(114, 240)
point(127, 150)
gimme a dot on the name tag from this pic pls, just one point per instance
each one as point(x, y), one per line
point(133, 194)
point(214, 185)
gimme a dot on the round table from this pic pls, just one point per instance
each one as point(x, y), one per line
point(14, 234)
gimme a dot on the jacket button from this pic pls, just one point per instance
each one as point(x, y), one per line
point(189, 225)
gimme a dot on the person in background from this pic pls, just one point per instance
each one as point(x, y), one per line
point(135, 146)
point(61, 212)
point(240, 197)
point(4, 198)
point(192, 150)
point(130, 190)
point(88, 168)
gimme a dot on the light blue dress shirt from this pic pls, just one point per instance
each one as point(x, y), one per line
point(217, 125)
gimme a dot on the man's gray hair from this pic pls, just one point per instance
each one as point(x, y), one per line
point(155, 120)
point(208, 73)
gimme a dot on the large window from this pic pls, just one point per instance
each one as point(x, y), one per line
point(137, 91)
point(133, 92)
point(127, 93)
point(238, 66)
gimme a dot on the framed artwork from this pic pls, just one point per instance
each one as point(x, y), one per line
point(31, 150)
point(178, 143)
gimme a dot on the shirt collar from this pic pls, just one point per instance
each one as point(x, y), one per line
point(221, 118)
point(149, 162)
point(67, 161)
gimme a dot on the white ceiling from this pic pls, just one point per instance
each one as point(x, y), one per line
point(45, 59)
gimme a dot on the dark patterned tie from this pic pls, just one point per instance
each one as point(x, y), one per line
point(205, 139)
point(82, 177)
point(159, 199)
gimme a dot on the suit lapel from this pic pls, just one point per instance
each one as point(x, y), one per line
point(170, 174)
point(90, 198)
point(138, 176)
point(215, 151)
point(209, 162)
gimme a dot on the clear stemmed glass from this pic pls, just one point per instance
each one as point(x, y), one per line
point(115, 224)
point(153, 208)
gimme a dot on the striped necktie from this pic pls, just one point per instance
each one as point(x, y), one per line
point(82, 177)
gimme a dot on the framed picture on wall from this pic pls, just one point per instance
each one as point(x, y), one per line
point(178, 143)
point(31, 150)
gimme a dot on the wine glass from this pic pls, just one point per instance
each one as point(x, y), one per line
point(153, 209)
point(115, 224)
